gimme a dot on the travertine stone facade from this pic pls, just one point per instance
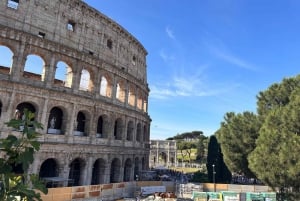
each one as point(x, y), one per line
point(163, 153)
point(84, 77)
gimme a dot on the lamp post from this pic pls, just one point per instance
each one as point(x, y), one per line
point(214, 177)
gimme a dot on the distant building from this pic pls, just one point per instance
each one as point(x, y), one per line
point(163, 153)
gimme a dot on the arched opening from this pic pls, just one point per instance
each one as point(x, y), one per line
point(98, 172)
point(79, 124)
point(63, 74)
point(34, 68)
point(49, 168)
point(115, 171)
point(139, 101)
point(145, 105)
point(99, 127)
point(6, 60)
point(162, 158)
point(103, 126)
point(131, 96)
point(75, 172)
point(145, 138)
point(120, 94)
point(139, 132)
point(118, 129)
point(19, 113)
point(127, 170)
point(105, 86)
point(130, 129)
point(55, 121)
point(136, 168)
point(85, 80)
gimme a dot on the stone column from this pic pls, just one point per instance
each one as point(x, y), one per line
point(18, 63)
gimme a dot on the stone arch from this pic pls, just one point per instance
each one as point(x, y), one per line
point(162, 158)
point(127, 169)
point(49, 168)
point(131, 95)
point(139, 101)
point(6, 59)
point(55, 121)
point(139, 132)
point(118, 129)
point(145, 104)
point(136, 168)
point(130, 130)
point(19, 112)
point(76, 168)
point(103, 126)
point(34, 67)
point(106, 86)
point(63, 74)
point(121, 91)
point(80, 124)
point(84, 80)
point(145, 133)
point(98, 172)
point(115, 169)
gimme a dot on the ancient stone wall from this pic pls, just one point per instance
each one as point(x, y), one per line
point(96, 125)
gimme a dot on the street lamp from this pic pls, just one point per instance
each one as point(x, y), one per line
point(214, 177)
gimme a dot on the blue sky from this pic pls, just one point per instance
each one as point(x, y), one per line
point(209, 57)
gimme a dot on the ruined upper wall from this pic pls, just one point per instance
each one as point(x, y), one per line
point(75, 24)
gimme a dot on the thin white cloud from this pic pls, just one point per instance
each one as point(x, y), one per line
point(218, 49)
point(167, 58)
point(170, 33)
point(233, 59)
point(184, 86)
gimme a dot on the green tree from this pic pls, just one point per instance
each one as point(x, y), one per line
point(276, 159)
point(215, 158)
point(202, 148)
point(18, 151)
point(237, 137)
point(185, 149)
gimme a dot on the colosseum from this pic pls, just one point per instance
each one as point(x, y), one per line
point(85, 78)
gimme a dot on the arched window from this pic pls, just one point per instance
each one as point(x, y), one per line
point(131, 96)
point(34, 68)
point(5, 60)
point(98, 173)
point(115, 169)
point(106, 86)
point(118, 129)
point(20, 109)
point(76, 168)
point(49, 168)
point(130, 129)
point(84, 80)
point(103, 86)
point(127, 170)
point(120, 94)
point(55, 121)
point(139, 132)
point(99, 127)
point(63, 74)
point(79, 124)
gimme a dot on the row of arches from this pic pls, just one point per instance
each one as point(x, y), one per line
point(101, 171)
point(64, 72)
point(83, 126)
